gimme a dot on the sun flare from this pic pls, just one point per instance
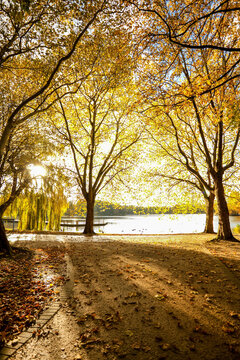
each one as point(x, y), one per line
point(37, 170)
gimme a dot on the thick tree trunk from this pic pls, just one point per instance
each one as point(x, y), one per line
point(88, 230)
point(209, 214)
point(4, 243)
point(224, 228)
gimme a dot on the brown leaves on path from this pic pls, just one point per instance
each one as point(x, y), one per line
point(128, 300)
point(28, 281)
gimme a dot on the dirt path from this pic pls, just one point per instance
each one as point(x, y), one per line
point(146, 298)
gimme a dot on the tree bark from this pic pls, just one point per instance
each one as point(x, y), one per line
point(209, 214)
point(88, 230)
point(4, 243)
point(224, 228)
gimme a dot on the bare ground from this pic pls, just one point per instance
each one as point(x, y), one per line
point(143, 297)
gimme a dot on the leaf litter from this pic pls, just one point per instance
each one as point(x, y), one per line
point(178, 310)
point(28, 282)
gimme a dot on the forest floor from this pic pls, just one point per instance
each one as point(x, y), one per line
point(127, 297)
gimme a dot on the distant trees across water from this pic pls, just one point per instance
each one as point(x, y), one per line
point(103, 208)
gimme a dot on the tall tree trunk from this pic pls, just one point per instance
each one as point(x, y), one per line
point(4, 243)
point(224, 228)
point(209, 213)
point(88, 230)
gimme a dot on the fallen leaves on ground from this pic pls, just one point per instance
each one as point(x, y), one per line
point(141, 301)
point(27, 282)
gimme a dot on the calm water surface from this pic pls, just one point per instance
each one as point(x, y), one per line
point(151, 224)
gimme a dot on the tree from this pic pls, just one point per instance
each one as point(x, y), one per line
point(215, 152)
point(98, 124)
point(175, 172)
point(206, 130)
point(23, 149)
point(37, 33)
point(43, 202)
point(222, 157)
point(36, 40)
point(200, 25)
point(17, 180)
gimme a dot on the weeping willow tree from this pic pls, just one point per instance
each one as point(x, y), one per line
point(32, 210)
point(56, 207)
point(41, 208)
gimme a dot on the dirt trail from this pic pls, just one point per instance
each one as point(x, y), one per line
point(137, 300)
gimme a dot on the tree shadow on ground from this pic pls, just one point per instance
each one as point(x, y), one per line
point(153, 302)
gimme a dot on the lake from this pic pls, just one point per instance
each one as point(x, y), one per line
point(149, 224)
